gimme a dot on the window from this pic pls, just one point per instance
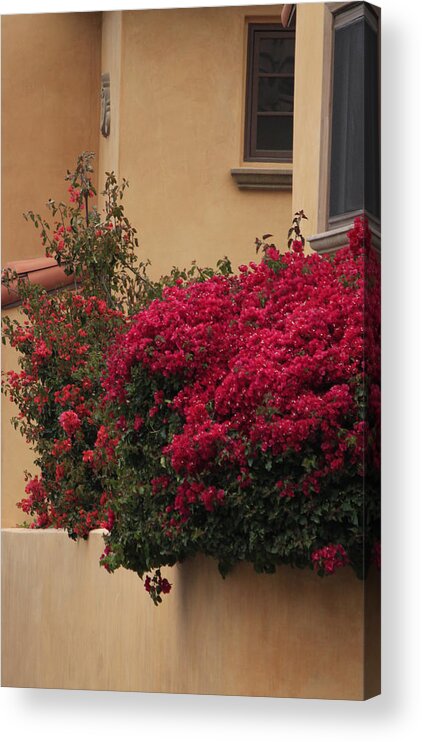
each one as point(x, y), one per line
point(269, 93)
point(355, 143)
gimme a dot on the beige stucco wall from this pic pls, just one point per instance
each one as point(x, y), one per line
point(182, 103)
point(111, 54)
point(309, 113)
point(50, 114)
point(177, 125)
point(68, 624)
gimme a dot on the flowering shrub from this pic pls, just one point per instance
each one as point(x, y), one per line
point(246, 410)
point(62, 342)
point(233, 415)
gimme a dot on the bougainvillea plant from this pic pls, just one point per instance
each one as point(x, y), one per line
point(61, 344)
point(246, 410)
point(236, 415)
point(62, 339)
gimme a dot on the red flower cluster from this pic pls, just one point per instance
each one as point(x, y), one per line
point(70, 422)
point(268, 364)
point(57, 391)
point(329, 558)
point(156, 585)
point(36, 491)
point(252, 404)
point(191, 492)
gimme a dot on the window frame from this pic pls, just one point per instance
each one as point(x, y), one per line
point(343, 18)
point(251, 152)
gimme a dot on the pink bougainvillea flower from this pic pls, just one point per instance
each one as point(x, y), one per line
point(70, 422)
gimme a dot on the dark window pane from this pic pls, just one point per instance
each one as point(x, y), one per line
point(347, 166)
point(275, 94)
point(372, 135)
point(276, 55)
point(274, 133)
point(270, 90)
point(355, 131)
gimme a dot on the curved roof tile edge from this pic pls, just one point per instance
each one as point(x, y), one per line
point(43, 271)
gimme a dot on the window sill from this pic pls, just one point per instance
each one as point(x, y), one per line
point(334, 239)
point(253, 178)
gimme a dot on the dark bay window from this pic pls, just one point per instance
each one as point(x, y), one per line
point(355, 143)
point(269, 93)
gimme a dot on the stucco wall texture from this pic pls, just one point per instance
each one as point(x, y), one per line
point(177, 120)
point(50, 114)
point(181, 132)
point(67, 623)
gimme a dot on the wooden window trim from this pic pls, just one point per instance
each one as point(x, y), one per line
point(251, 153)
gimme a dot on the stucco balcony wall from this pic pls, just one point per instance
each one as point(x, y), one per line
point(67, 623)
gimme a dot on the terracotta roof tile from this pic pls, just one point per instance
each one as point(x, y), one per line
point(42, 271)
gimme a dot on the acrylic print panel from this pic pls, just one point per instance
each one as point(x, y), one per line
point(192, 362)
